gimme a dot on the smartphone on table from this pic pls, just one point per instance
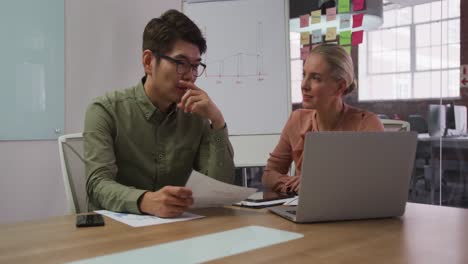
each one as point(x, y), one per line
point(86, 220)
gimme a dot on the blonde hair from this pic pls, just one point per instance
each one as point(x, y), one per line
point(340, 62)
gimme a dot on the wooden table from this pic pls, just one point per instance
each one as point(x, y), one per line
point(426, 234)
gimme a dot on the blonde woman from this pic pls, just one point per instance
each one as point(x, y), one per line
point(328, 75)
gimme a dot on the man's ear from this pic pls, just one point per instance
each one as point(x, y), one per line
point(342, 87)
point(147, 58)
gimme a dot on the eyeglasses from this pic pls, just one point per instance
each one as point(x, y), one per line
point(183, 67)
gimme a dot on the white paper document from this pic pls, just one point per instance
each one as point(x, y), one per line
point(146, 220)
point(208, 192)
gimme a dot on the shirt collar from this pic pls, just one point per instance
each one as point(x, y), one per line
point(145, 103)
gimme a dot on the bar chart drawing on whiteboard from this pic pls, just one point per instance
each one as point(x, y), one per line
point(247, 62)
point(238, 65)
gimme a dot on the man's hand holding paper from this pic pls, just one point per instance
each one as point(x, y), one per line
point(208, 192)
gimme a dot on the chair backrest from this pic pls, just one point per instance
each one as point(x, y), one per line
point(383, 116)
point(395, 125)
point(73, 171)
point(418, 123)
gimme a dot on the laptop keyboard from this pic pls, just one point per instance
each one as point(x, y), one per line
point(292, 212)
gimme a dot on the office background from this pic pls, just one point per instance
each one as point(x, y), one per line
point(31, 186)
point(408, 65)
point(414, 58)
point(97, 60)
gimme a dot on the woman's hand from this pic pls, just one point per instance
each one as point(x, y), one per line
point(293, 183)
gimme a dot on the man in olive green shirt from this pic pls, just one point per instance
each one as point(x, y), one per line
point(142, 143)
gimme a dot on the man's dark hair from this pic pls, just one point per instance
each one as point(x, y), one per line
point(161, 33)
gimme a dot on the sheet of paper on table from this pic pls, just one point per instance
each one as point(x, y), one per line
point(135, 220)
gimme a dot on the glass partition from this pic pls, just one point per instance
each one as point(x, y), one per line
point(409, 70)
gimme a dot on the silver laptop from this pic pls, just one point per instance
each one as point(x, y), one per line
point(353, 175)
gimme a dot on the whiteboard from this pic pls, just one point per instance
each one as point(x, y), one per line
point(253, 150)
point(247, 73)
point(32, 69)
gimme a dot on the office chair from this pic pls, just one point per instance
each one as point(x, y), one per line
point(423, 155)
point(400, 125)
point(395, 125)
point(383, 116)
point(418, 124)
point(73, 172)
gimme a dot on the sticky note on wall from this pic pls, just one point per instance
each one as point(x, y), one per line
point(345, 21)
point(343, 6)
point(304, 20)
point(316, 16)
point(348, 49)
point(331, 34)
point(331, 13)
point(316, 36)
point(358, 5)
point(357, 20)
point(345, 37)
point(356, 37)
point(305, 38)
